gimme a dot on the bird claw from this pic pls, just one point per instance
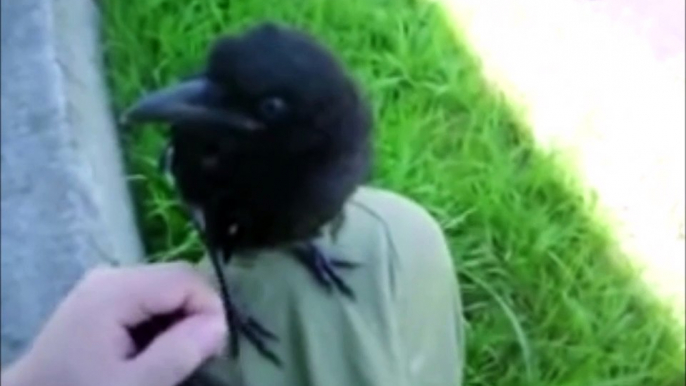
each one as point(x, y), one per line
point(239, 322)
point(344, 264)
point(324, 269)
point(254, 332)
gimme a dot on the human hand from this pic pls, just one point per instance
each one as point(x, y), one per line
point(88, 342)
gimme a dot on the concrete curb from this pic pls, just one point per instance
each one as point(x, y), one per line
point(65, 203)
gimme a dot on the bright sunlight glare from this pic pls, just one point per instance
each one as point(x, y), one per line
point(603, 84)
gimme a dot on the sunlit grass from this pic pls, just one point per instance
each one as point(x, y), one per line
point(547, 296)
point(594, 90)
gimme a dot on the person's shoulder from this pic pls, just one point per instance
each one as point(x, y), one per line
point(411, 234)
point(400, 244)
point(393, 211)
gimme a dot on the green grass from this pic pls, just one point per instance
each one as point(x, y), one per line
point(548, 299)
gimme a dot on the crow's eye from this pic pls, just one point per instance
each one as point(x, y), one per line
point(273, 108)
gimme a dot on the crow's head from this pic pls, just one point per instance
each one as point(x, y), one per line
point(270, 85)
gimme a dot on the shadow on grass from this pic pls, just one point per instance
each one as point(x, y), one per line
point(548, 299)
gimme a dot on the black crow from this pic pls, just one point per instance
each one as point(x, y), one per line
point(267, 144)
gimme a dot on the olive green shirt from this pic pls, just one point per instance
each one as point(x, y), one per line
point(404, 328)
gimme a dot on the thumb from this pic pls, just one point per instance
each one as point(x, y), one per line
point(177, 352)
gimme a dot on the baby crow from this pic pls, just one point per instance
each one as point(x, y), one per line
point(266, 145)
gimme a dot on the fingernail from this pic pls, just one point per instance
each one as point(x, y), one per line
point(211, 337)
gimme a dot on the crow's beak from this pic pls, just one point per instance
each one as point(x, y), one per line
point(183, 104)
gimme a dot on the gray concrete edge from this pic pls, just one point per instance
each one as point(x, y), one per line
point(66, 206)
point(87, 105)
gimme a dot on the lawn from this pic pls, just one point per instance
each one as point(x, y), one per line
point(548, 299)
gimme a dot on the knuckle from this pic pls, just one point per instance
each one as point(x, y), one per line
point(93, 284)
point(98, 275)
point(185, 271)
point(183, 268)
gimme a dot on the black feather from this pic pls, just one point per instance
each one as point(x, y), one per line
point(283, 141)
point(282, 183)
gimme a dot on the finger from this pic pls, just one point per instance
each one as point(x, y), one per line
point(175, 354)
point(139, 293)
